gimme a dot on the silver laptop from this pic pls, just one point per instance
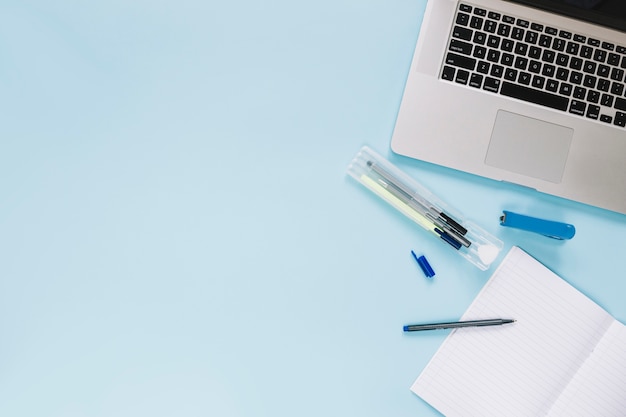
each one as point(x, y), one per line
point(531, 92)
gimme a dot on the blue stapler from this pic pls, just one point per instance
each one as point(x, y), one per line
point(555, 230)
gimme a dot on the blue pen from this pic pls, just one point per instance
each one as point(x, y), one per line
point(553, 229)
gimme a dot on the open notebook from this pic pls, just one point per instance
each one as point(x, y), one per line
point(564, 356)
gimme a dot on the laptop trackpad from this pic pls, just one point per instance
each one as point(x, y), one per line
point(529, 146)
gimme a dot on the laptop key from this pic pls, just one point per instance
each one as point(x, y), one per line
point(599, 55)
point(493, 55)
point(462, 77)
point(562, 74)
point(576, 78)
point(573, 48)
point(480, 12)
point(604, 71)
point(576, 63)
point(493, 41)
point(593, 111)
point(460, 61)
point(504, 30)
point(607, 100)
point(521, 48)
point(606, 118)
point(566, 89)
point(460, 47)
point(531, 37)
point(617, 74)
point(490, 26)
point(538, 81)
point(497, 71)
point(545, 41)
point(483, 67)
point(620, 104)
point(558, 44)
point(476, 23)
point(586, 52)
point(620, 119)
point(518, 33)
point(476, 81)
point(590, 67)
point(552, 85)
point(524, 78)
point(507, 45)
point(580, 93)
point(532, 95)
point(462, 19)
point(480, 52)
point(521, 63)
point(548, 56)
point(492, 84)
point(562, 60)
point(510, 74)
point(462, 33)
point(534, 66)
point(589, 81)
point(617, 89)
point(603, 85)
point(508, 19)
point(448, 73)
point(577, 107)
point(593, 42)
point(613, 59)
point(480, 37)
point(593, 96)
point(548, 70)
point(507, 59)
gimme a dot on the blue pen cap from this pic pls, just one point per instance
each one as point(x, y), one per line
point(424, 265)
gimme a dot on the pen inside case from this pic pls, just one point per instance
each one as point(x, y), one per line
point(424, 208)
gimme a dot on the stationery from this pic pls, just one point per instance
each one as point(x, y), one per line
point(564, 355)
point(457, 324)
point(424, 265)
point(421, 206)
point(549, 228)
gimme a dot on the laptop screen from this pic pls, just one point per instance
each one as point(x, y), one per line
point(610, 13)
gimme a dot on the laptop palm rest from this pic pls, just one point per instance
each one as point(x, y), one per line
point(529, 146)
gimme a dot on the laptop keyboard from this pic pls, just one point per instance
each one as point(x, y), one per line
point(537, 63)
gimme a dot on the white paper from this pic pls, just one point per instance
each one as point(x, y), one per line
point(564, 353)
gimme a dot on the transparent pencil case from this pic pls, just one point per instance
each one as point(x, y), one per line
point(424, 208)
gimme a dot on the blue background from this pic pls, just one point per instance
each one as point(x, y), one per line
point(178, 236)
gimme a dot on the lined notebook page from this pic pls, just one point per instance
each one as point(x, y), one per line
point(519, 369)
point(599, 387)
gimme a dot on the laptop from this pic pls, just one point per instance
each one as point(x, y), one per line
point(530, 92)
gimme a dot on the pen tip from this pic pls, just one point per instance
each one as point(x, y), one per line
point(370, 163)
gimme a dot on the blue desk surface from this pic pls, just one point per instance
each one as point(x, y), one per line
point(178, 236)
